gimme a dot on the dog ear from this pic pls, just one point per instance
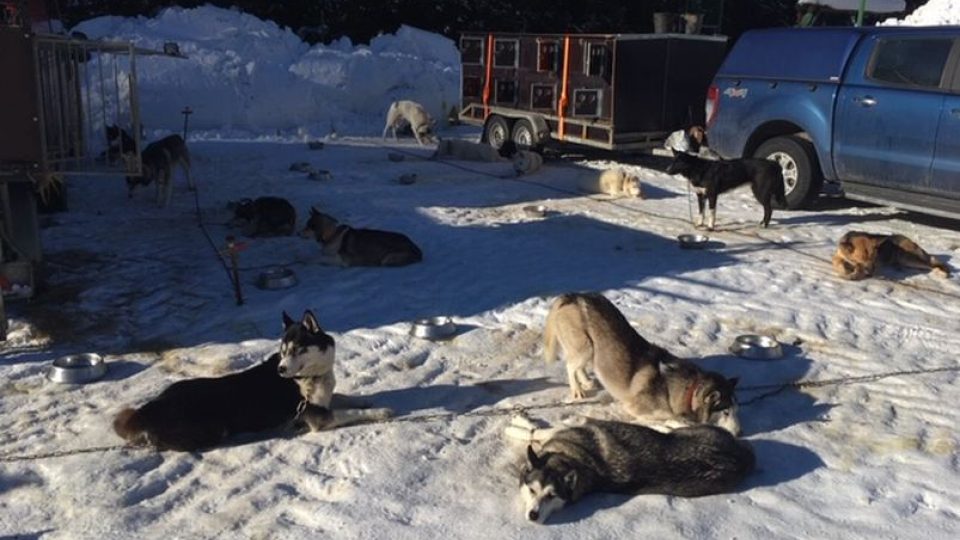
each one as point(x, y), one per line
point(313, 211)
point(733, 382)
point(570, 479)
point(535, 461)
point(712, 399)
point(310, 322)
point(287, 321)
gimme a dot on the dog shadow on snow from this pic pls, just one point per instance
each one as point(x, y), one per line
point(455, 398)
point(765, 404)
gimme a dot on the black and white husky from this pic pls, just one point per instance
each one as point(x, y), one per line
point(294, 386)
point(617, 457)
point(710, 178)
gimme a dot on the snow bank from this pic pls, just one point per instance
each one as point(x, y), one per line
point(243, 74)
point(933, 13)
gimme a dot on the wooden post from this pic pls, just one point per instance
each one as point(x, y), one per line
point(232, 250)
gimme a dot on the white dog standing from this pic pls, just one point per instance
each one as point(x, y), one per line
point(413, 113)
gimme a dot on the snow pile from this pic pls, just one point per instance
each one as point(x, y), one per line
point(243, 74)
point(933, 13)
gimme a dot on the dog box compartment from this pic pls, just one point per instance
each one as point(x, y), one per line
point(623, 91)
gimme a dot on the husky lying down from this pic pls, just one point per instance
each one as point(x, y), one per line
point(603, 456)
point(292, 386)
point(859, 253)
point(345, 246)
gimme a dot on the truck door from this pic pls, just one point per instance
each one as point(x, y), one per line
point(945, 173)
point(888, 111)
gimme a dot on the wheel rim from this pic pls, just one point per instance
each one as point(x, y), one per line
point(791, 173)
point(523, 136)
point(497, 134)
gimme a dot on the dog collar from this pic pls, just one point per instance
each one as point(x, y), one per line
point(688, 395)
point(337, 231)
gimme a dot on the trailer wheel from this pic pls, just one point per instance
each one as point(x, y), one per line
point(802, 177)
point(524, 135)
point(497, 131)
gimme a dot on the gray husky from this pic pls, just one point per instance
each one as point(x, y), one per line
point(345, 246)
point(158, 160)
point(653, 385)
point(603, 456)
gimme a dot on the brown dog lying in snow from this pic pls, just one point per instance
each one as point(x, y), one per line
point(858, 254)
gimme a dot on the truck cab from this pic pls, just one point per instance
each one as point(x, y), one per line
point(875, 109)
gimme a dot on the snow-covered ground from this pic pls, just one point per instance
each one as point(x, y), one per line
point(140, 284)
point(245, 76)
point(932, 13)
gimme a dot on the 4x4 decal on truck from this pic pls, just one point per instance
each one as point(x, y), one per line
point(733, 92)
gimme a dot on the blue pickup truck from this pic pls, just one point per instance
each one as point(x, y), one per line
point(875, 109)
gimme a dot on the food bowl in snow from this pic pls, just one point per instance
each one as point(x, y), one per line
point(77, 368)
point(433, 328)
point(407, 179)
point(315, 145)
point(395, 156)
point(693, 241)
point(756, 347)
point(277, 278)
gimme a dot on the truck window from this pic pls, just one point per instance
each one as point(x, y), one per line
point(506, 53)
point(548, 55)
point(910, 61)
point(471, 51)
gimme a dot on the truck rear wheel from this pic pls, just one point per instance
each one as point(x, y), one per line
point(801, 170)
point(524, 135)
point(497, 131)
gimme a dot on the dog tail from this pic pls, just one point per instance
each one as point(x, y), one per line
point(127, 424)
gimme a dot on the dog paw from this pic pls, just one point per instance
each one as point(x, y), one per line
point(521, 420)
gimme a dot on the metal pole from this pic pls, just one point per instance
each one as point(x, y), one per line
point(186, 112)
point(860, 12)
point(232, 250)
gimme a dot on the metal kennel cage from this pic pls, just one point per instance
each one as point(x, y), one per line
point(58, 97)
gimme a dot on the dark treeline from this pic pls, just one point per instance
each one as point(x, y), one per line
point(360, 20)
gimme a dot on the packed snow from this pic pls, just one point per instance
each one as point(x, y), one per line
point(141, 285)
point(245, 76)
point(933, 13)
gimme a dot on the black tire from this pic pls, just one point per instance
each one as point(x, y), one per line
point(497, 131)
point(802, 176)
point(524, 135)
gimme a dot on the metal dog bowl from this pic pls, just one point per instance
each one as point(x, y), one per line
point(77, 368)
point(693, 241)
point(407, 179)
point(433, 328)
point(535, 210)
point(277, 278)
point(756, 347)
point(315, 145)
point(396, 157)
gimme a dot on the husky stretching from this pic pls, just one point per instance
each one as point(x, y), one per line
point(602, 456)
point(710, 178)
point(858, 254)
point(345, 246)
point(413, 113)
point(294, 385)
point(653, 385)
point(158, 160)
point(470, 151)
